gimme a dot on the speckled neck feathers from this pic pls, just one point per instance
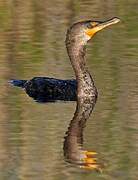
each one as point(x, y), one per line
point(76, 50)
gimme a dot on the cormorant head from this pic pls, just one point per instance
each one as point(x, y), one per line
point(83, 31)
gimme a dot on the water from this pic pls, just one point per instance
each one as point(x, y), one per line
point(32, 35)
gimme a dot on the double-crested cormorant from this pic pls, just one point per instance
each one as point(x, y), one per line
point(44, 89)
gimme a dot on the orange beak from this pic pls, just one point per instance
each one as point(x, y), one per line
point(101, 25)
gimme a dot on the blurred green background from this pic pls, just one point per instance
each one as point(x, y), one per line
point(32, 35)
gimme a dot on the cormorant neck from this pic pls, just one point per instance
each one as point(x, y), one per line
point(76, 52)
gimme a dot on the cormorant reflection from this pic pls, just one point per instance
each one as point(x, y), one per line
point(73, 150)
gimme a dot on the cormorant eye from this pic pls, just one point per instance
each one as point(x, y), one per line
point(89, 25)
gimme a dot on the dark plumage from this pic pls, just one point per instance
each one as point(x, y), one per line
point(45, 89)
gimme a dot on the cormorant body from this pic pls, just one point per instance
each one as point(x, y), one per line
point(45, 89)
